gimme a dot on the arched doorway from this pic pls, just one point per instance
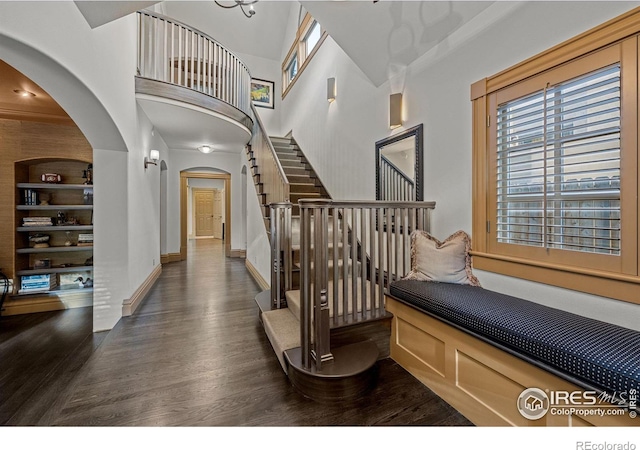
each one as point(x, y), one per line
point(110, 260)
point(184, 176)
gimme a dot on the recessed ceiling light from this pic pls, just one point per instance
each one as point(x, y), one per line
point(205, 149)
point(23, 93)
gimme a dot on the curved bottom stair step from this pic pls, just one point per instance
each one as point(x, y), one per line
point(351, 374)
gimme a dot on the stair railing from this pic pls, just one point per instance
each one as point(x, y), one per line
point(350, 252)
point(274, 181)
point(281, 252)
point(395, 185)
point(176, 53)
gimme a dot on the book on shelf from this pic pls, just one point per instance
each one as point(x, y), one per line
point(30, 197)
point(37, 221)
point(85, 239)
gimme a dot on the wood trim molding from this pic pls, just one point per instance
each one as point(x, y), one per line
point(611, 277)
point(605, 284)
point(305, 64)
point(256, 275)
point(131, 304)
point(184, 176)
point(238, 253)
point(169, 258)
point(296, 48)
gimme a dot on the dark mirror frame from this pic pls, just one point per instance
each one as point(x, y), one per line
point(417, 133)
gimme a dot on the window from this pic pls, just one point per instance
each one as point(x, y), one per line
point(309, 37)
point(312, 38)
point(292, 68)
point(558, 158)
point(555, 165)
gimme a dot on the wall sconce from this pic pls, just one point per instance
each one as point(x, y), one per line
point(395, 110)
point(205, 149)
point(331, 89)
point(154, 156)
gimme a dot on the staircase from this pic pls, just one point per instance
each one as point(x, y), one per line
point(303, 181)
point(324, 314)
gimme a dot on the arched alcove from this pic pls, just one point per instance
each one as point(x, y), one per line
point(109, 149)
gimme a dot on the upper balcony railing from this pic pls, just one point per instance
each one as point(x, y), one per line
point(175, 53)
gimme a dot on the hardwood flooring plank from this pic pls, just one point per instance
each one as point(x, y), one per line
point(195, 354)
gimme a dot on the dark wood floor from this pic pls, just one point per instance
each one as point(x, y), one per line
point(194, 354)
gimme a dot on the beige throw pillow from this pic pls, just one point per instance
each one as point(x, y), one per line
point(446, 262)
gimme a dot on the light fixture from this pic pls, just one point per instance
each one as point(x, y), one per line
point(205, 149)
point(154, 156)
point(23, 93)
point(331, 89)
point(241, 4)
point(395, 110)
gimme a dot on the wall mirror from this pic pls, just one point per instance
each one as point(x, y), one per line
point(399, 171)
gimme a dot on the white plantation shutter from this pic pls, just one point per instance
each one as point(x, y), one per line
point(558, 174)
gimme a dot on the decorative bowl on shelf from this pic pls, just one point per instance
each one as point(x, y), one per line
point(51, 178)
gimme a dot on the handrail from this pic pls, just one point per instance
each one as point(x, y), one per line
point(350, 252)
point(176, 53)
point(394, 183)
point(283, 176)
point(274, 180)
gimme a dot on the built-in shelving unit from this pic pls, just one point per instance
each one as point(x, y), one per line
point(61, 213)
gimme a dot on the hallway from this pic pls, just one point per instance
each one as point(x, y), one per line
point(195, 354)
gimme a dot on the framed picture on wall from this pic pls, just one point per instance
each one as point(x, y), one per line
point(262, 93)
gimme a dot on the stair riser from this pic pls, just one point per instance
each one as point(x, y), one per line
point(296, 188)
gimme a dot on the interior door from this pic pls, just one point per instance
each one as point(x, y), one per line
point(217, 213)
point(203, 200)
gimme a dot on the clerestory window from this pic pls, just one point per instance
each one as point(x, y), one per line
point(309, 38)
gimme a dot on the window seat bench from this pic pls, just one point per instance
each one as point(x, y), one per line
point(479, 350)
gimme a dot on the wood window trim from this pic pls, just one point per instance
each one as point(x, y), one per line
point(297, 48)
point(622, 284)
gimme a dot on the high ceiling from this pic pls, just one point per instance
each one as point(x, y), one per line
point(385, 37)
point(382, 38)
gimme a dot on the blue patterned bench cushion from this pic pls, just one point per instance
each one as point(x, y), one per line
point(588, 352)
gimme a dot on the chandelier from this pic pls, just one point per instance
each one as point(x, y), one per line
point(241, 3)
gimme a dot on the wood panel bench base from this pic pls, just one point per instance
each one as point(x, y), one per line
point(481, 381)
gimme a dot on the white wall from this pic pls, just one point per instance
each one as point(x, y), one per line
point(339, 138)
point(267, 69)
point(90, 73)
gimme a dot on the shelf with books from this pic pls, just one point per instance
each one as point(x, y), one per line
point(54, 209)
